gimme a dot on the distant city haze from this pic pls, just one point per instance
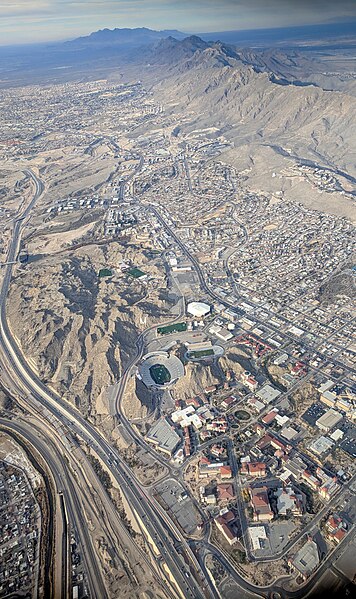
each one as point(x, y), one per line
point(26, 21)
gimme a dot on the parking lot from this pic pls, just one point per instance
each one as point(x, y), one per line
point(278, 535)
point(179, 504)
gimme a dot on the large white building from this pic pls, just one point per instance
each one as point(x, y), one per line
point(198, 309)
point(328, 420)
point(257, 536)
point(187, 417)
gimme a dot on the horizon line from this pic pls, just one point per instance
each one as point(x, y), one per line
point(187, 33)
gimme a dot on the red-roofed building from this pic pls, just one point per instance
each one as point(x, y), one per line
point(223, 523)
point(270, 439)
point(225, 472)
point(268, 418)
point(228, 401)
point(258, 428)
point(299, 369)
point(217, 451)
point(279, 445)
point(265, 441)
point(339, 535)
point(225, 491)
point(260, 504)
point(333, 523)
point(257, 469)
point(187, 442)
point(251, 383)
point(335, 528)
point(210, 389)
point(193, 401)
point(253, 469)
point(279, 453)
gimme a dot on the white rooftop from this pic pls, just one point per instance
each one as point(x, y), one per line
point(268, 393)
point(198, 309)
point(257, 533)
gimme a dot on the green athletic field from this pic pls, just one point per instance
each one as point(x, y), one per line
point(202, 353)
point(172, 328)
point(160, 374)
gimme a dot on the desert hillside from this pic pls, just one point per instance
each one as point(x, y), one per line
point(80, 329)
point(252, 106)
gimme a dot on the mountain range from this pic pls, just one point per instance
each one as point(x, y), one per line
point(276, 105)
point(109, 48)
point(123, 37)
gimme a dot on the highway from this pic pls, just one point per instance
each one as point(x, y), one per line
point(46, 565)
point(70, 416)
point(66, 486)
point(158, 525)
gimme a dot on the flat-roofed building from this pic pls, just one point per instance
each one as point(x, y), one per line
point(198, 309)
point(344, 405)
point(224, 334)
point(328, 398)
point(321, 446)
point(326, 386)
point(255, 404)
point(268, 393)
point(328, 420)
point(337, 435)
point(280, 359)
point(257, 536)
point(282, 420)
point(311, 480)
point(199, 345)
point(180, 415)
point(163, 436)
point(289, 433)
point(230, 314)
point(306, 560)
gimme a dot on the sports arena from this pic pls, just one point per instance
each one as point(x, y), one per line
point(160, 369)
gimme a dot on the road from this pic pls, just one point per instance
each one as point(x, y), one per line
point(158, 525)
point(66, 486)
point(216, 297)
point(71, 417)
point(228, 304)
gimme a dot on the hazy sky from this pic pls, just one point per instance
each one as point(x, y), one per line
point(23, 21)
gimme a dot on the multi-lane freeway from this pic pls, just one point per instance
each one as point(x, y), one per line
point(66, 486)
point(176, 552)
point(185, 582)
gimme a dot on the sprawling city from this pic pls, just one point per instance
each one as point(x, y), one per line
point(177, 327)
